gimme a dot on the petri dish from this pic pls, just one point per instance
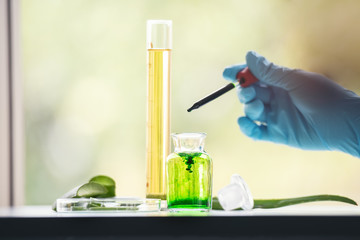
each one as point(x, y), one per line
point(107, 205)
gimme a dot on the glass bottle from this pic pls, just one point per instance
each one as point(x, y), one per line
point(159, 34)
point(189, 174)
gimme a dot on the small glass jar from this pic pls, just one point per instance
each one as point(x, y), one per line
point(189, 174)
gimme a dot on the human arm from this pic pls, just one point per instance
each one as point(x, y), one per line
point(298, 108)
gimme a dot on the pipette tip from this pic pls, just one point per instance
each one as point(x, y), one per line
point(195, 106)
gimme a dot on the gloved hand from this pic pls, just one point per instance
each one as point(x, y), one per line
point(297, 108)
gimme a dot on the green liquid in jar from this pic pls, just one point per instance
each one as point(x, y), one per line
point(189, 181)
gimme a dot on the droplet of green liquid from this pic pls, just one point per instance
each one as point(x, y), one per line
point(188, 159)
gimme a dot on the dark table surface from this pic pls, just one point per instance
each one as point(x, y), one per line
point(295, 222)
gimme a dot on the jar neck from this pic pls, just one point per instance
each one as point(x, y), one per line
point(189, 142)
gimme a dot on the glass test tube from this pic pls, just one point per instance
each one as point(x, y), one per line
point(159, 34)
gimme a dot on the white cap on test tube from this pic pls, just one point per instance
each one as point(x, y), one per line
point(159, 34)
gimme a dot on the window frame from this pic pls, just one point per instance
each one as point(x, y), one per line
point(11, 107)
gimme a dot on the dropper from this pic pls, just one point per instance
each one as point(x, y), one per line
point(244, 78)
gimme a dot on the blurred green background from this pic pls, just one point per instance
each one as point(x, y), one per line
point(84, 65)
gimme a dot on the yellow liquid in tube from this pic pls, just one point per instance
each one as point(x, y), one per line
point(158, 121)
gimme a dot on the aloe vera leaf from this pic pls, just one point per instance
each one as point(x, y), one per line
point(107, 182)
point(276, 203)
point(112, 209)
point(106, 189)
point(69, 194)
point(91, 189)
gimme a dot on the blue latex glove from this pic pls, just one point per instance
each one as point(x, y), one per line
point(297, 108)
